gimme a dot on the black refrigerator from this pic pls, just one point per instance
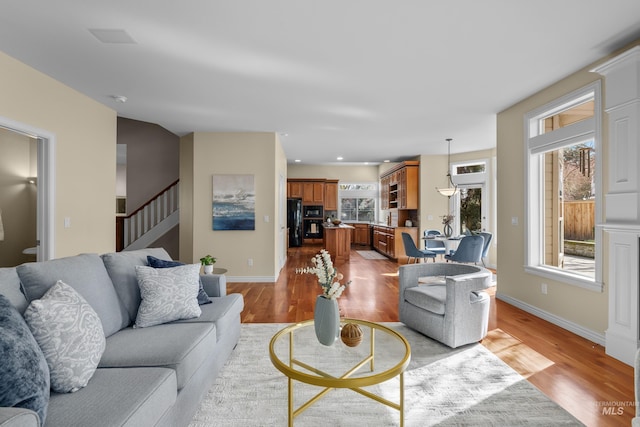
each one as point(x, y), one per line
point(294, 221)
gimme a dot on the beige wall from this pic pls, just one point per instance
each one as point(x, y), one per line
point(85, 153)
point(346, 173)
point(433, 171)
point(584, 308)
point(205, 154)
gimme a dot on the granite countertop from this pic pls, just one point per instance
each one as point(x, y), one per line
point(341, 225)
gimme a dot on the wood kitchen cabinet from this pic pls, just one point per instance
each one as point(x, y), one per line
point(331, 195)
point(294, 189)
point(399, 186)
point(337, 241)
point(313, 193)
point(361, 234)
point(388, 241)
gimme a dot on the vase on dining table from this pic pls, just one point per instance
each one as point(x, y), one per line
point(448, 231)
point(326, 320)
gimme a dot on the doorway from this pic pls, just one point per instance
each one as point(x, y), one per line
point(40, 175)
point(470, 209)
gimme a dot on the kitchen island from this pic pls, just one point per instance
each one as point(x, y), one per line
point(337, 241)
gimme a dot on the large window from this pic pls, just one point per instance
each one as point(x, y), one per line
point(358, 201)
point(563, 182)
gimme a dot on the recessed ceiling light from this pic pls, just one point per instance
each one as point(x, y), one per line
point(340, 158)
point(366, 163)
point(297, 160)
point(284, 134)
point(112, 36)
point(387, 161)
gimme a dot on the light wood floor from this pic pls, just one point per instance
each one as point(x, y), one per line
point(572, 371)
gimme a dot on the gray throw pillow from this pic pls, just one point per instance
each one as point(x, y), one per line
point(24, 377)
point(154, 262)
point(167, 294)
point(70, 334)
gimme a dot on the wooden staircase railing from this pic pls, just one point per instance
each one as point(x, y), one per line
point(133, 226)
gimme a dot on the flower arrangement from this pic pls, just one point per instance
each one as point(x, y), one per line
point(447, 219)
point(328, 276)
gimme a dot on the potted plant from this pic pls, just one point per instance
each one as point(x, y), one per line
point(207, 261)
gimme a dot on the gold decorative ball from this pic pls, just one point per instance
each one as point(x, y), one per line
point(351, 334)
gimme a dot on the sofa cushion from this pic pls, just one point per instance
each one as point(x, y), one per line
point(70, 335)
point(24, 377)
point(10, 287)
point(223, 311)
point(181, 347)
point(129, 397)
point(121, 267)
point(154, 262)
point(427, 297)
point(86, 274)
point(167, 294)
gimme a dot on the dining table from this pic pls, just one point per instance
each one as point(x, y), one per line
point(450, 243)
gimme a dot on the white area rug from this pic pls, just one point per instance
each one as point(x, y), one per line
point(371, 255)
point(468, 386)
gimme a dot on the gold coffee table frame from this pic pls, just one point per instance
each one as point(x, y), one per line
point(322, 379)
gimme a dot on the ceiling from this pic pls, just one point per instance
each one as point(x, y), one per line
point(368, 80)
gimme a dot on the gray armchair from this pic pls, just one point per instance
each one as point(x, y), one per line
point(445, 301)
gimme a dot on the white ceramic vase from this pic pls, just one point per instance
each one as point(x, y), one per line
point(208, 269)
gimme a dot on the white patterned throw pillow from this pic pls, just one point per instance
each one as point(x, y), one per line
point(70, 334)
point(167, 294)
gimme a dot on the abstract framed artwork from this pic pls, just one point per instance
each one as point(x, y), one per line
point(234, 202)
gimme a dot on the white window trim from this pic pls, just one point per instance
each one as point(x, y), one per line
point(360, 194)
point(536, 143)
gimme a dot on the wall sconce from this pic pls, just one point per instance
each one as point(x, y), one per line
point(452, 189)
point(32, 180)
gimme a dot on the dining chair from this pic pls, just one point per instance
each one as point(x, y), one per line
point(469, 250)
point(412, 251)
point(488, 237)
point(433, 245)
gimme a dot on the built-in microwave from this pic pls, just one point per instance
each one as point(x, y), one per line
point(312, 211)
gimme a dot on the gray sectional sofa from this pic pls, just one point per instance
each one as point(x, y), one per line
point(147, 376)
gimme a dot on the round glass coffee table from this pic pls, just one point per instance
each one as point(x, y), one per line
point(382, 355)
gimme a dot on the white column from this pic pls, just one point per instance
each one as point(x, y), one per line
point(622, 202)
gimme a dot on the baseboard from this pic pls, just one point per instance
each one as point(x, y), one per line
point(253, 279)
point(556, 320)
